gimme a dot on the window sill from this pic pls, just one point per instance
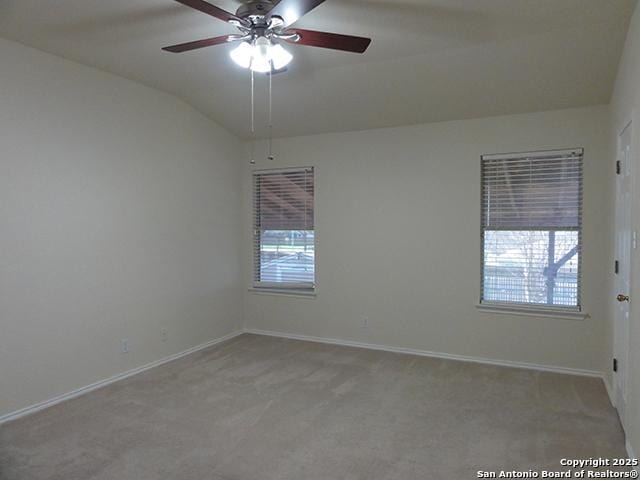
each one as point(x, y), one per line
point(531, 311)
point(284, 292)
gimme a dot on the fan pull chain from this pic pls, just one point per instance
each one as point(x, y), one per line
point(253, 126)
point(270, 157)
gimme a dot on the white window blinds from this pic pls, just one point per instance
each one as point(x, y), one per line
point(284, 236)
point(531, 228)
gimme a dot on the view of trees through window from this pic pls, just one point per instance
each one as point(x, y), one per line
point(531, 224)
point(531, 266)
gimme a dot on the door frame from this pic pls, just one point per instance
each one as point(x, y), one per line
point(628, 123)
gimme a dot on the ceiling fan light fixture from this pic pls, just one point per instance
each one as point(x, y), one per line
point(242, 54)
point(280, 57)
point(260, 61)
point(260, 55)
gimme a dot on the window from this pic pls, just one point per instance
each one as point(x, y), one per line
point(531, 228)
point(284, 236)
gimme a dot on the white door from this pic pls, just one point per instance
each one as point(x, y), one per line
point(623, 277)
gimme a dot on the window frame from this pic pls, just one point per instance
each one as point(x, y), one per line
point(534, 309)
point(281, 288)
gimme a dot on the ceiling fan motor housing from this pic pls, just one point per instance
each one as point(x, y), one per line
point(256, 11)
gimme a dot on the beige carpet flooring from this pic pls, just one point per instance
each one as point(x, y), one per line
point(261, 408)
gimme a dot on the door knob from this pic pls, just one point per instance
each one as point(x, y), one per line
point(622, 298)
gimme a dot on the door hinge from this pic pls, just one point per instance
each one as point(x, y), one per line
point(615, 364)
point(616, 267)
point(618, 167)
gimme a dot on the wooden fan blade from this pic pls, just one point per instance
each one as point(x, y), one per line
point(206, 42)
point(212, 10)
point(334, 41)
point(291, 10)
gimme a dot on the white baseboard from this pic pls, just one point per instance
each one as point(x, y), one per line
point(107, 381)
point(610, 391)
point(426, 353)
point(631, 453)
point(333, 341)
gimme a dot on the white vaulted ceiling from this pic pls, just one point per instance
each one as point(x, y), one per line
point(430, 60)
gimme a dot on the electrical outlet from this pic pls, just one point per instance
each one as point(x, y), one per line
point(365, 322)
point(125, 345)
point(164, 334)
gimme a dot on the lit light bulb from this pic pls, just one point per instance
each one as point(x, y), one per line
point(280, 57)
point(260, 61)
point(261, 55)
point(242, 54)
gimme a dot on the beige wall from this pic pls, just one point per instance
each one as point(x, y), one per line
point(398, 228)
point(625, 106)
point(119, 215)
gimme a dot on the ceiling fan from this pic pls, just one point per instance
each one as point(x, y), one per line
point(263, 24)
